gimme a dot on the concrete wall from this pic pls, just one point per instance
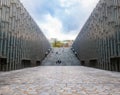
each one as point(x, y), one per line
point(98, 43)
point(22, 44)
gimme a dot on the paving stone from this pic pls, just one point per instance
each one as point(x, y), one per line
point(60, 80)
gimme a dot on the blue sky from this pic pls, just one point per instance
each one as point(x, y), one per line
point(61, 19)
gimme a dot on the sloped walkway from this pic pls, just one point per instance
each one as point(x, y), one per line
point(59, 80)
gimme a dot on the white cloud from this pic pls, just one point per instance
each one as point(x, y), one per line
point(88, 4)
point(82, 3)
point(61, 19)
point(52, 28)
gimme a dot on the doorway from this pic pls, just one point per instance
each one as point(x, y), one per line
point(115, 64)
point(38, 63)
point(93, 63)
point(3, 63)
point(83, 62)
point(26, 63)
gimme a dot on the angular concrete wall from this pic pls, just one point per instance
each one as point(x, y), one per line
point(22, 44)
point(98, 43)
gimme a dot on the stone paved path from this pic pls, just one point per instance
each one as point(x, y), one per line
point(52, 80)
point(60, 80)
point(65, 55)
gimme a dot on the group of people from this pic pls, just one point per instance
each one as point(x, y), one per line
point(58, 61)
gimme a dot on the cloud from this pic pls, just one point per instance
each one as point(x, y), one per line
point(60, 19)
point(54, 27)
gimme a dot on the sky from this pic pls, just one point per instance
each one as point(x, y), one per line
point(61, 19)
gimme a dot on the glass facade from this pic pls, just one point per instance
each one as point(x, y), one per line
point(22, 44)
point(98, 43)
